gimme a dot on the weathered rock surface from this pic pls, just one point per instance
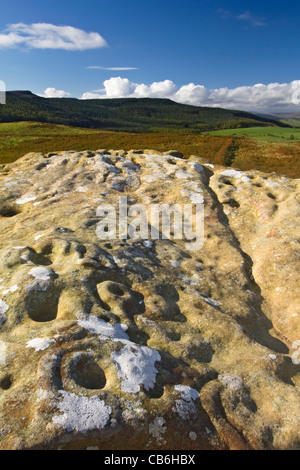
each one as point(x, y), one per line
point(146, 344)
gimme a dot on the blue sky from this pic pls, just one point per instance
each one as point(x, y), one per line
point(155, 48)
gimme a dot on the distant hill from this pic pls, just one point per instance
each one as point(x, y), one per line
point(292, 119)
point(282, 116)
point(126, 114)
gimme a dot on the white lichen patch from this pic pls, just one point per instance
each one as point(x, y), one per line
point(39, 344)
point(193, 193)
point(3, 350)
point(81, 414)
point(194, 186)
point(40, 273)
point(25, 198)
point(245, 179)
point(157, 429)
point(196, 198)
point(136, 367)
point(231, 381)
point(3, 309)
point(181, 174)
point(105, 330)
point(232, 173)
point(184, 406)
point(10, 290)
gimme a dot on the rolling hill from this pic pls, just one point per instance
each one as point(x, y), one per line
point(126, 114)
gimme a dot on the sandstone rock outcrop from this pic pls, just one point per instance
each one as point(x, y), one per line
point(142, 343)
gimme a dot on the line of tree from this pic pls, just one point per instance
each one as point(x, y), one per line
point(131, 115)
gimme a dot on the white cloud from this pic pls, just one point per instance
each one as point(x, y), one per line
point(251, 19)
point(99, 67)
point(117, 87)
point(53, 93)
point(247, 17)
point(272, 97)
point(49, 36)
point(10, 40)
point(192, 94)
point(92, 96)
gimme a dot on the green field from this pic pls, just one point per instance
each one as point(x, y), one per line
point(17, 139)
point(291, 122)
point(281, 156)
point(268, 134)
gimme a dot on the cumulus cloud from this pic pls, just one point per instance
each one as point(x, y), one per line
point(54, 93)
point(117, 87)
point(49, 36)
point(272, 97)
point(90, 95)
